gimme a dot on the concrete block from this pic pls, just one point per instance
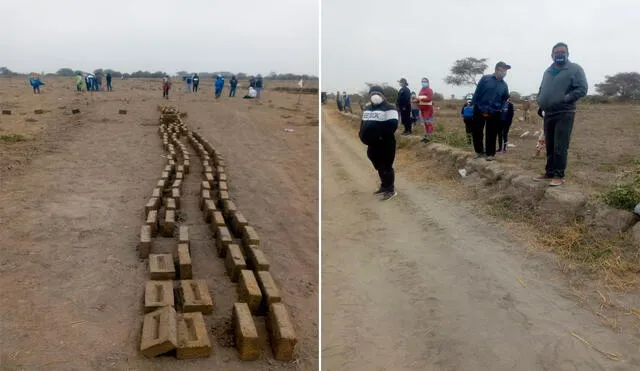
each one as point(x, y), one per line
point(185, 270)
point(175, 194)
point(256, 259)
point(217, 220)
point(249, 291)
point(209, 178)
point(195, 296)
point(222, 177)
point(122, 111)
point(171, 204)
point(223, 196)
point(179, 176)
point(158, 294)
point(144, 248)
point(250, 236)
point(282, 335)
point(165, 175)
point(205, 186)
point(223, 240)
point(193, 336)
point(157, 193)
point(238, 222)
point(228, 209)
point(161, 267)
point(169, 223)
point(159, 332)
point(152, 222)
point(234, 262)
point(209, 209)
point(245, 332)
point(204, 196)
point(269, 289)
point(222, 186)
point(177, 183)
point(152, 204)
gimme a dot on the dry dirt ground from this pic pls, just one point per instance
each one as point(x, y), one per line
point(72, 200)
point(425, 282)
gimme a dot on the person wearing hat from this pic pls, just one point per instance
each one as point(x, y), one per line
point(377, 131)
point(490, 96)
point(404, 105)
point(563, 84)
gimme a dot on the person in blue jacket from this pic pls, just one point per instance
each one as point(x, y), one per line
point(490, 95)
point(35, 82)
point(467, 117)
point(233, 84)
point(506, 119)
point(219, 85)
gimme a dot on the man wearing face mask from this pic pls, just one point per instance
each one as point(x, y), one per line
point(404, 105)
point(491, 94)
point(425, 103)
point(377, 131)
point(563, 84)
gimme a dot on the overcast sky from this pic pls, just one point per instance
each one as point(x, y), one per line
point(381, 41)
point(252, 36)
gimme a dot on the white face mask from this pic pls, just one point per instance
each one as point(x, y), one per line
point(376, 99)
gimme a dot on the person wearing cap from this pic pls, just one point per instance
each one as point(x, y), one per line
point(563, 84)
point(491, 94)
point(425, 102)
point(403, 104)
point(467, 117)
point(377, 131)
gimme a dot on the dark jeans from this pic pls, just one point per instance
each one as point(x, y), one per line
point(165, 93)
point(382, 154)
point(488, 126)
point(195, 87)
point(557, 133)
point(109, 88)
point(503, 135)
point(468, 128)
point(405, 117)
point(232, 91)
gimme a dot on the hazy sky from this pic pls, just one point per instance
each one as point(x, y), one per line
point(381, 41)
point(252, 36)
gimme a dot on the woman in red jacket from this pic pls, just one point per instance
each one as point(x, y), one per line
point(425, 103)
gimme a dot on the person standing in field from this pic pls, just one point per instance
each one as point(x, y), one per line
point(233, 84)
point(506, 119)
point(79, 82)
point(347, 102)
point(563, 84)
point(415, 108)
point(425, 103)
point(98, 78)
point(467, 117)
point(189, 89)
point(109, 77)
point(491, 94)
point(259, 85)
point(339, 100)
point(219, 85)
point(403, 104)
point(35, 83)
point(196, 82)
point(166, 85)
point(377, 131)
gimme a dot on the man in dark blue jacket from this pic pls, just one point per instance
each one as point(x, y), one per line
point(404, 105)
point(377, 131)
point(490, 95)
point(233, 83)
point(563, 84)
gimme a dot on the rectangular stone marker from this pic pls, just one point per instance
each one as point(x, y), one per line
point(281, 333)
point(209, 209)
point(222, 186)
point(175, 194)
point(245, 331)
point(250, 236)
point(159, 332)
point(209, 178)
point(184, 262)
point(177, 184)
point(8, 111)
point(161, 267)
point(38, 111)
point(193, 337)
point(158, 294)
point(179, 176)
point(204, 196)
point(152, 204)
point(122, 111)
point(249, 291)
point(181, 167)
point(228, 208)
point(75, 111)
point(220, 170)
point(270, 291)
point(152, 222)
point(205, 186)
point(234, 262)
point(223, 195)
point(238, 222)
point(195, 296)
point(256, 259)
point(145, 241)
point(161, 183)
point(171, 204)
point(184, 235)
point(165, 175)
point(207, 169)
point(223, 240)
point(157, 193)
point(186, 165)
point(169, 223)
point(222, 177)
point(217, 220)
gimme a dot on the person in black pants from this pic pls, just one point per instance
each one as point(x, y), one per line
point(506, 119)
point(490, 95)
point(196, 82)
point(467, 117)
point(377, 131)
point(404, 105)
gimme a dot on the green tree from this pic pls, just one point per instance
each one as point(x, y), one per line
point(65, 72)
point(4, 71)
point(624, 85)
point(466, 71)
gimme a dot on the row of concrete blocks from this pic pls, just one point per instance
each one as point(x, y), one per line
point(256, 287)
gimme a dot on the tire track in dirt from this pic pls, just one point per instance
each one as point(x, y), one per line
point(421, 283)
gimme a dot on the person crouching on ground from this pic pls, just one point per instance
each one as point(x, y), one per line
point(506, 119)
point(425, 102)
point(377, 131)
point(467, 117)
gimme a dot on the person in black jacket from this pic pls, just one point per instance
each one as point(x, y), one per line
point(404, 105)
point(377, 131)
point(506, 118)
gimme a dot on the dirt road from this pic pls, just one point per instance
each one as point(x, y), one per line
point(70, 279)
point(422, 283)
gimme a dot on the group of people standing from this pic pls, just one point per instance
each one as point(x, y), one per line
point(344, 102)
point(193, 81)
point(93, 81)
point(487, 115)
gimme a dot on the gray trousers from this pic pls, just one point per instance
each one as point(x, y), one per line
point(557, 133)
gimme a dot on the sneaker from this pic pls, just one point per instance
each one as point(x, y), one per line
point(489, 158)
point(425, 140)
point(389, 195)
point(556, 182)
point(379, 191)
point(479, 155)
point(542, 178)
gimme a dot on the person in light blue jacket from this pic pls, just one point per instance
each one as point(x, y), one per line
point(219, 85)
point(35, 83)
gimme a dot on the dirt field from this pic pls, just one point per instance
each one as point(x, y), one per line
point(73, 196)
point(425, 281)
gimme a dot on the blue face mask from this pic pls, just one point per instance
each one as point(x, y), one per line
point(425, 84)
point(560, 59)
